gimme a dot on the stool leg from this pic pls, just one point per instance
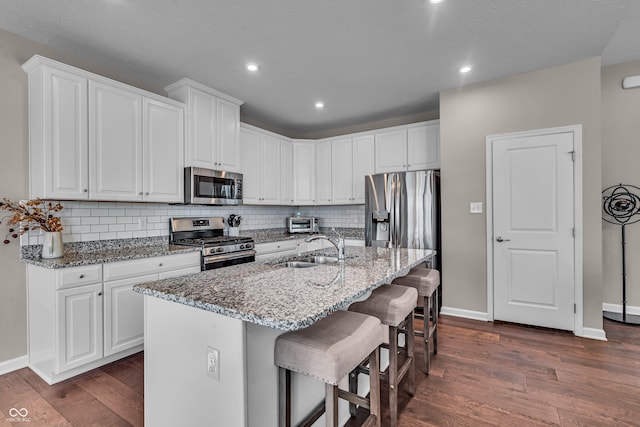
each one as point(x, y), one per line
point(353, 388)
point(393, 375)
point(331, 405)
point(425, 331)
point(410, 353)
point(374, 385)
point(435, 325)
point(284, 390)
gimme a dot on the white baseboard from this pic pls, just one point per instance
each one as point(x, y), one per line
point(467, 314)
point(13, 364)
point(617, 308)
point(593, 333)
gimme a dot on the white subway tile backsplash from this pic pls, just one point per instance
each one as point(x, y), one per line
point(83, 221)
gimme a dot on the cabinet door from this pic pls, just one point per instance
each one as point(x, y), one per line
point(363, 164)
point(59, 147)
point(341, 176)
point(304, 173)
point(79, 326)
point(115, 143)
point(323, 173)
point(250, 166)
point(200, 151)
point(163, 147)
point(423, 147)
point(270, 169)
point(391, 151)
point(124, 314)
point(286, 172)
point(228, 127)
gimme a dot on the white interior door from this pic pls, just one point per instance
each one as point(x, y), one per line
point(533, 229)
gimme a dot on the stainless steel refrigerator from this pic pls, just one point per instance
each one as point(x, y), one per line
point(402, 209)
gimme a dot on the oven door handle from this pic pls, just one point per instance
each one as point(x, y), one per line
point(224, 257)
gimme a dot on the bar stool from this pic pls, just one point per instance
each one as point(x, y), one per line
point(329, 350)
point(426, 281)
point(394, 306)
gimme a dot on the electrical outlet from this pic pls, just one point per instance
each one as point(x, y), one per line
point(213, 363)
point(475, 207)
point(142, 223)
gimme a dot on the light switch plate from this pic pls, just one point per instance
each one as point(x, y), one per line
point(475, 207)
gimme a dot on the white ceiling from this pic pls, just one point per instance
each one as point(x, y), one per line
point(366, 59)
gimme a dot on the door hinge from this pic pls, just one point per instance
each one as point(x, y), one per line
point(573, 155)
point(573, 232)
point(575, 308)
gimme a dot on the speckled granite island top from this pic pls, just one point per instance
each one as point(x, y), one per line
point(279, 297)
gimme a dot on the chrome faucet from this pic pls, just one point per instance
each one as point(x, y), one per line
point(337, 241)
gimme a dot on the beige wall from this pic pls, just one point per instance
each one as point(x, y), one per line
point(14, 51)
point(559, 96)
point(620, 164)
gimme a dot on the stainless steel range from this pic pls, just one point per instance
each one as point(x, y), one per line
point(207, 233)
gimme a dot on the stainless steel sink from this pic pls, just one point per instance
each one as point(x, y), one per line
point(309, 261)
point(298, 264)
point(319, 259)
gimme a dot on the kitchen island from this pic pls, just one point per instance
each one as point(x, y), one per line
point(235, 314)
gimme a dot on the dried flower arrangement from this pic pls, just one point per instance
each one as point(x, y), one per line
point(30, 215)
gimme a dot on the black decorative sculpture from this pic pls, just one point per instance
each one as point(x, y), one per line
point(621, 206)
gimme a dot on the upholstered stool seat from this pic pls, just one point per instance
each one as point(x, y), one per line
point(426, 281)
point(329, 350)
point(394, 306)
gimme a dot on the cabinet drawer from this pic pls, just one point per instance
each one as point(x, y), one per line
point(78, 276)
point(124, 269)
point(279, 246)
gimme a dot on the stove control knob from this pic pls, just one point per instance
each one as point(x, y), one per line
point(241, 246)
point(248, 246)
point(219, 250)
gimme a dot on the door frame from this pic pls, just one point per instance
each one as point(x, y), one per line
point(578, 328)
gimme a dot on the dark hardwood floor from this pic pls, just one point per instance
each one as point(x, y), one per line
point(485, 374)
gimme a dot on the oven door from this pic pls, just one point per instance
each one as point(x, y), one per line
point(225, 260)
point(211, 187)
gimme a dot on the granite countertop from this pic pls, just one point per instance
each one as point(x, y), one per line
point(277, 234)
point(284, 298)
point(96, 252)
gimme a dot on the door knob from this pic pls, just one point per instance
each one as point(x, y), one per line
point(500, 239)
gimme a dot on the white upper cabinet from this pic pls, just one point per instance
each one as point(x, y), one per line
point(391, 151)
point(286, 172)
point(94, 138)
point(162, 151)
point(411, 147)
point(304, 173)
point(423, 146)
point(323, 173)
point(213, 125)
point(260, 167)
point(58, 155)
point(352, 159)
point(115, 143)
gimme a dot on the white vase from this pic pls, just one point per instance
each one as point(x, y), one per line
point(234, 231)
point(52, 246)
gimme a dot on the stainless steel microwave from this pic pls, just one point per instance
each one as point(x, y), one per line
point(212, 187)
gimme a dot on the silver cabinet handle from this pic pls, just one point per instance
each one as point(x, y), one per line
point(82, 276)
point(85, 190)
point(500, 239)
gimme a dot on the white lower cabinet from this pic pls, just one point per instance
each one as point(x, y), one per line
point(79, 326)
point(84, 317)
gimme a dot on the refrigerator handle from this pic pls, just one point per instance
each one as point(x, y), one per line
point(392, 211)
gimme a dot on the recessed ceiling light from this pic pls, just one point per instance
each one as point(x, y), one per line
point(319, 104)
point(435, 1)
point(465, 69)
point(252, 67)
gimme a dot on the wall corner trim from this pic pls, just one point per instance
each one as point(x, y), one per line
point(467, 314)
point(593, 334)
point(14, 364)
